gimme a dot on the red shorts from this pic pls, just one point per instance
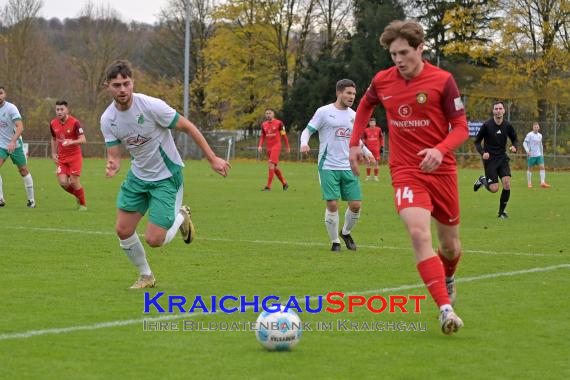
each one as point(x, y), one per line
point(375, 153)
point(436, 193)
point(70, 166)
point(273, 154)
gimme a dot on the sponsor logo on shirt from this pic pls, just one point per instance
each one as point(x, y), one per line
point(137, 140)
point(343, 132)
point(405, 111)
point(421, 98)
point(140, 119)
point(410, 123)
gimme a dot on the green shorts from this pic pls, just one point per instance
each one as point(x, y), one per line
point(339, 184)
point(163, 198)
point(18, 157)
point(533, 161)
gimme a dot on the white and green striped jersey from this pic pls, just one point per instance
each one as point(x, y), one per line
point(533, 144)
point(144, 129)
point(335, 128)
point(9, 114)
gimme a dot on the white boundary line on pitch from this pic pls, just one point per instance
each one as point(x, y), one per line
point(299, 243)
point(127, 322)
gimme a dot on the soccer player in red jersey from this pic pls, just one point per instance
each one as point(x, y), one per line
point(426, 122)
point(272, 130)
point(67, 136)
point(374, 141)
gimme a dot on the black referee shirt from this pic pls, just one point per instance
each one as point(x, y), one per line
point(495, 137)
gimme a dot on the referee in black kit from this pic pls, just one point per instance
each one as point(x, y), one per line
point(495, 159)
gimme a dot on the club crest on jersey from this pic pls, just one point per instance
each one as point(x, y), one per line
point(343, 132)
point(137, 140)
point(68, 131)
point(421, 98)
point(405, 111)
point(140, 119)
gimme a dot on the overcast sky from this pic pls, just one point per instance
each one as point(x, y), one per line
point(129, 10)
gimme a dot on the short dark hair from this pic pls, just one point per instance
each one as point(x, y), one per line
point(344, 83)
point(409, 30)
point(498, 102)
point(269, 109)
point(61, 103)
point(119, 67)
point(372, 119)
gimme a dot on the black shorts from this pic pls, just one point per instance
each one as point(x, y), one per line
point(497, 167)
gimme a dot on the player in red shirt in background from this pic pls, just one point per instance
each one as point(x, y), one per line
point(67, 135)
point(426, 122)
point(374, 141)
point(271, 131)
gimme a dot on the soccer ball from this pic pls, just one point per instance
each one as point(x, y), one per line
point(280, 331)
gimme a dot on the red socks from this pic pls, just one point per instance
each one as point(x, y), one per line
point(375, 172)
point(432, 273)
point(280, 175)
point(270, 179)
point(368, 172)
point(449, 266)
point(69, 189)
point(80, 194)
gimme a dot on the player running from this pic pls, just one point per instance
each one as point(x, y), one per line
point(374, 141)
point(11, 145)
point(154, 182)
point(426, 122)
point(272, 130)
point(334, 124)
point(66, 139)
point(535, 152)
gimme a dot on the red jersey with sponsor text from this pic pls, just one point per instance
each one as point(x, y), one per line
point(418, 113)
point(71, 130)
point(271, 131)
point(372, 138)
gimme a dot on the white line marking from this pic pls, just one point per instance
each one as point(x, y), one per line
point(127, 322)
point(298, 243)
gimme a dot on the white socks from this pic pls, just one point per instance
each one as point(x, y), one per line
point(350, 220)
point(135, 252)
point(542, 176)
point(529, 177)
point(1, 192)
point(29, 183)
point(171, 233)
point(331, 223)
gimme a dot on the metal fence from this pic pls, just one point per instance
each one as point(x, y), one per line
point(243, 144)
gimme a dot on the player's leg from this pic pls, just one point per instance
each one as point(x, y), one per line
point(417, 221)
point(368, 170)
point(504, 172)
point(132, 203)
point(270, 174)
point(542, 172)
point(62, 173)
point(274, 158)
point(376, 169)
point(530, 164)
point(330, 188)
point(167, 216)
point(78, 191)
point(19, 159)
point(449, 252)
point(129, 241)
point(2, 159)
point(350, 191)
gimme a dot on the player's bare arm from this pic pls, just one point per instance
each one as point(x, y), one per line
point(14, 142)
point(217, 164)
point(54, 156)
point(113, 161)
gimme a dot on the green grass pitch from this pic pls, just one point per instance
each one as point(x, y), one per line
point(66, 312)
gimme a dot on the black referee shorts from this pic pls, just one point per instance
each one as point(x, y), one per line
point(497, 167)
